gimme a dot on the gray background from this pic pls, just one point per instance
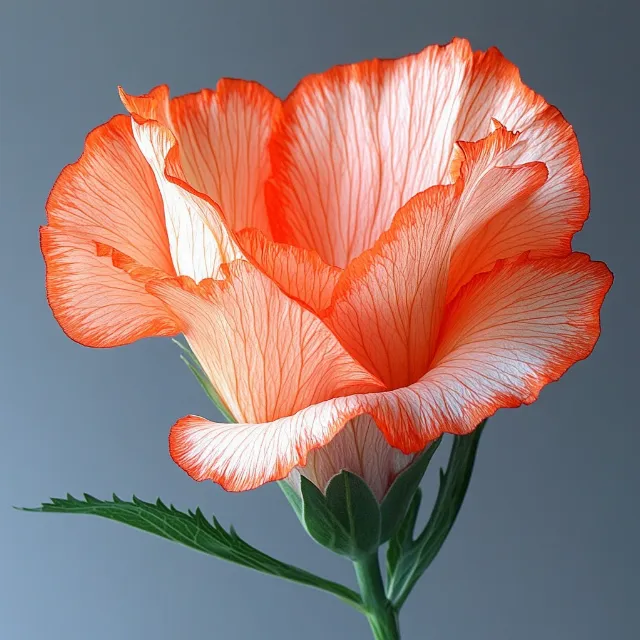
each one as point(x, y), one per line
point(546, 545)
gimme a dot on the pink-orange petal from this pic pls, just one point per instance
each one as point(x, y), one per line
point(110, 196)
point(358, 141)
point(388, 303)
point(264, 353)
point(222, 137)
point(539, 220)
point(268, 358)
point(199, 239)
point(149, 106)
point(317, 442)
point(107, 199)
point(300, 273)
point(506, 335)
point(209, 155)
point(361, 448)
point(240, 457)
point(96, 303)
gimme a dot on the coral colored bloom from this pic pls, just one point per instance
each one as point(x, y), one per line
point(380, 258)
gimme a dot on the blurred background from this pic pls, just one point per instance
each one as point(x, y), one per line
point(546, 545)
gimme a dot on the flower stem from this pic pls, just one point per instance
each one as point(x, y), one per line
point(382, 616)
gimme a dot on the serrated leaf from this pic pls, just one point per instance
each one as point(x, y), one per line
point(397, 500)
point(194, 530)
point(414, 560)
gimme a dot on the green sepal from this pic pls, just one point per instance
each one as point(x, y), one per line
point(194, 530)
point(352, 501)
point(293, 498)
point(320, 523)
point(347, 519)
point(416, 555)
point(398, 498)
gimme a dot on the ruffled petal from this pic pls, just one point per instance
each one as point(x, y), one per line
point(267, 357)
point(388, 304)
point(243, 457)
point(222, 137)
point(265, 354)
point(357, 142)
point(154, 105)
point(208, 152)
point(507, 334)
point(240, 457)
point(199, 240)
point(532, 219)
point(96, 303)
point(300, 273)
point(108, 197)
point(545, 223)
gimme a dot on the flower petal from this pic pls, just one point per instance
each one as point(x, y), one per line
point(267, 357)
point(109, 197)
point(199, 239)
point(240, 457)
point(360, 448)
point(300, 273)
point(508, 333)
point(388, 304)
point(97, 304)
point(222, 137)
point(357, 142)
point(154, 105)
point(265, 354)
point(209, 155)
point(534, 221)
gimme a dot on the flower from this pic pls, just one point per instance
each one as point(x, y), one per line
point(382, 257)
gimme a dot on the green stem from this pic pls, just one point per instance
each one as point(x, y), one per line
point(382, 616)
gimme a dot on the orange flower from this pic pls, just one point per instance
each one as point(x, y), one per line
point(382, 257)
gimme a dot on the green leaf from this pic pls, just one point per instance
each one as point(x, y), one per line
point(397, 500)
point(193, 530)
point(403, 539)
point(189, 358)
point(346, 519)
point(418, 555)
